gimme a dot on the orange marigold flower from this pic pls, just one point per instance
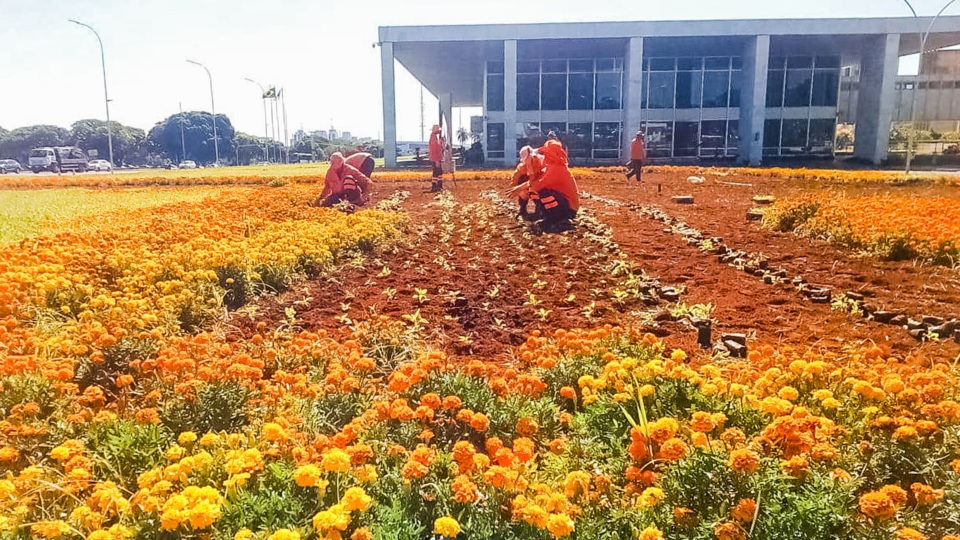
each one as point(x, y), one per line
point(907, 533)
point(925, 494)
point(702, 422)
point(673, 449)
point(744, 510)
point(480, 422)
point(744, 461)
point(729, 530)
point(464, 490)
point(877, 505)
point(560, 525)
point(527, 426)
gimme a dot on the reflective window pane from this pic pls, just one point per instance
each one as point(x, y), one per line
point(736, 78)
point(688, 90)
point(528, 66)
point(689, 64)
point(822, 132)
point(799, 62)
point(771, 133)
point(581, 65)
point(495, 92)
point(495, 137)
point(494, 67)
point(797, 90)
point(794, 135)
point(659, 138)
point(828, 62)
point(686, 138)
point(553, 92)
point(717, 62)
point(580, 140)
point(553, 66)
point(580, 91)
point(528, 92)
point(644, 80)
point(606, 140)
point(528, 133)
point(608, 91)
point(713, 138)
point(661, 90)
point(774, 88)
point(715, 88)
point(662, 64)
point(825, 82)
point(733, 136)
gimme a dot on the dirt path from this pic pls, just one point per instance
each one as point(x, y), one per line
point(478, 281)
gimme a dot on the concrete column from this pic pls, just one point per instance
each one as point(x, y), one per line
point(446, 115)
point(510, 101)
point(753, 98)
point(389, 105)
point(878, 73)
point(632, 89)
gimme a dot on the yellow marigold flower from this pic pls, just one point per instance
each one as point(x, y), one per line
point(186, 438)
point(651, 533)
point(560, 525)
point(788, 393)
point(273, 432)
point(306, 475)
point(356, 499)
point(650, 497)
point(678, 355)
point(209, 439)
point(335, 460)
point(365, 473)
point(243, 534)
point(335, 518)
point(50, 529)
point(284, 534)
point(447, 527)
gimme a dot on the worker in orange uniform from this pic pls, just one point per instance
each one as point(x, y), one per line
point(556, 191)
point(530, 166)
point(363, 162)
point(638, 154)
point(435, 155)
point(344, 182)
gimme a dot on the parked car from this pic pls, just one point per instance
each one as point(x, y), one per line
point(188, 164)
point(10, 165)
point(99, 165)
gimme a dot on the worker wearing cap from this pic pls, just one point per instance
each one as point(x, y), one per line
point(363, 162)
point(344, 183)
point(556, 191)
point(638, 154)
point(435, 155)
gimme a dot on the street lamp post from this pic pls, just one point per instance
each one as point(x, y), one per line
point(266, 133)
point(106, 99)
point(213, 110)
point(923, 35)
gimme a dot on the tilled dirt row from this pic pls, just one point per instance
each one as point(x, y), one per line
point(478, 281)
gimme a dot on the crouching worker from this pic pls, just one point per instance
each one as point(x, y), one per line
point(363, 162)
point(556, 191)
point(344, 183)
point(530, 166)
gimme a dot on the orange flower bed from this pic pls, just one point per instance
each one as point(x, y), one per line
point(888, 226)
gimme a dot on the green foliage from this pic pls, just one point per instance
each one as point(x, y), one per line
point(218, 406)
point(786, 218)
point(19, 389)
point(328, 413)
point(271, 501)
point(123, 449)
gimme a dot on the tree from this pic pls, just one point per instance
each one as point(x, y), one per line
point(91, 134)
point(197, 137)
point(17, 144)
point(248, 148)
point(462, 136)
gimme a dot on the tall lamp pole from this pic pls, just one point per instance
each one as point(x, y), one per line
point(266, 133)
point(106, 99)
point(213, 110)
point(916, 80)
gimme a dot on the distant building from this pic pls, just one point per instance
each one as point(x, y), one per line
point(334, 135)
point(937, 95)
point(735, 89)
point(320, 134)
point(346, 136)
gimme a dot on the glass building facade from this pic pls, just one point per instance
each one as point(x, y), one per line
point(690, 106)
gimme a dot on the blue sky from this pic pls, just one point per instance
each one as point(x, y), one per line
point(319, 51)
